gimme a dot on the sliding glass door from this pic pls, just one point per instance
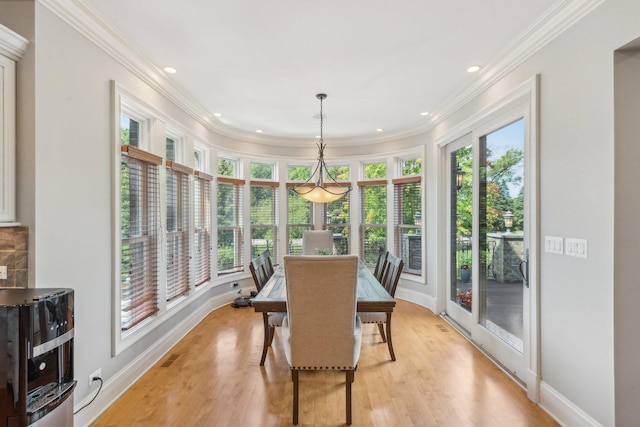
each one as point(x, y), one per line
point(502, 241)
point(490, 200)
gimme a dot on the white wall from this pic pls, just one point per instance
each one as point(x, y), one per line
point(627, 234)
point(576, 200)
point(71, 187)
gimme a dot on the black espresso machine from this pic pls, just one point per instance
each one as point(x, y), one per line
point(36, 357)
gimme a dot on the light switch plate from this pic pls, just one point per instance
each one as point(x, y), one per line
point(553, 244)
point(3, 272)
point(576, 247)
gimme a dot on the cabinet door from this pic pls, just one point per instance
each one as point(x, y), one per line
point(7, 139)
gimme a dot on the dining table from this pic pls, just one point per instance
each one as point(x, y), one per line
point(371, 297)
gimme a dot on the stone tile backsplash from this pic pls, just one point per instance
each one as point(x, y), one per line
point(13, 254)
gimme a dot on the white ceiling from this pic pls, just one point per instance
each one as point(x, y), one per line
point(381, 62)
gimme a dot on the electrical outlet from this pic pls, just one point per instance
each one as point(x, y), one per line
point(3, 272)
point(97, 373)
point(235, 285)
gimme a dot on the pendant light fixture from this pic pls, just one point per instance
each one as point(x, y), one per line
point(319, 191)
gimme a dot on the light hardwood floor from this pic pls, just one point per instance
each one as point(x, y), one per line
point(213, 378)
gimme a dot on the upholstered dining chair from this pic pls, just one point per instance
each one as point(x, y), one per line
point(321, 330)
point(316, 241)
point(262, 270)
point(391, 276)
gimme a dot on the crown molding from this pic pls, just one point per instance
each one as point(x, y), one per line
point(557, 20)
point(12, 45)
point(86, 21)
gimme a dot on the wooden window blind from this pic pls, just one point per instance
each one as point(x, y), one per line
point(230, 232)
point(140, 223)
point(202, 227)
point(373, 219)
point(407, 222)
point(178, 242)
point(299, 218)
point(264, 217)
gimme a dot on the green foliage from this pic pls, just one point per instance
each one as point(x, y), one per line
point(225, 257)
point(299, 209)
point(340, 173)
point(499, 174)
point(226, 167)
point(124, 136)
point(411, 202)
point(298, 173)
point(375, 170)
point(375, 204)
point(226, 204)
point(338, 211)
point(263, 204)
point(411, 167)
point(261, 171)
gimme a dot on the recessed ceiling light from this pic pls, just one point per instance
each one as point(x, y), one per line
point(379, 130)
point(217, 114)
point(424, 113)
point(473, 69)
point(170, 70)
point(258, 130)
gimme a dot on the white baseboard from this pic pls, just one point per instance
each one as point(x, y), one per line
point(563, 410)
point(119, 383)
point(556, 405)
point(415, 297)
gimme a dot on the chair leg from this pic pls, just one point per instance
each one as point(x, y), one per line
point(393, 355)
point(349, 380)
point(294, 376)
point(381, 329)
point(272, 330)
point(267, 341)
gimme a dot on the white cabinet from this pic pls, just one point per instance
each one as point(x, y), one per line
point(12, 47)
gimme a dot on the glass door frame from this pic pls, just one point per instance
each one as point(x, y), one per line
point(521, 103)
point(464, 318)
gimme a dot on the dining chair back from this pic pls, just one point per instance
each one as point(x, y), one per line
point(321, 330)
point(378, 271)
point(262, 270)
point(317, 242)
point(391, 274)
point(390, 278)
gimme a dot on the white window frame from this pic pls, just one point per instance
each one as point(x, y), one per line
point(396, 222)
point(238, 173)
point(388, 202)
point(154, 127)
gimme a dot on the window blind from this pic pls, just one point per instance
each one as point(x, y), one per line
point(299, 219)
point(139, 191)
point(373, 219)
point(202, 227)
point(407, 222)
point(336, 218)
point(230, 232)
point(264, 217)
point(178, 242)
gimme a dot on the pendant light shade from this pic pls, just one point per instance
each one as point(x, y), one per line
point(315, 189)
